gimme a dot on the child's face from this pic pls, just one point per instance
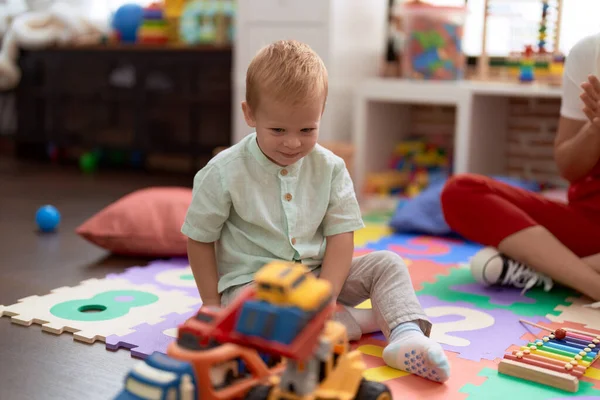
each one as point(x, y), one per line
point(285, 133)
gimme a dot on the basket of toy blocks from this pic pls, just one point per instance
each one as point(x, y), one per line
point(432, 47)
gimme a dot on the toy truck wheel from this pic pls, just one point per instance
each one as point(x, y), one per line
point(259, 392)
point(369, 390)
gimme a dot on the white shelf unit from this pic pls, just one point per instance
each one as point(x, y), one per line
point(349, 35)
point(382, 117)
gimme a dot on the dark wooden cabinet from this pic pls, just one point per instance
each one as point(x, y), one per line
point(149, 100)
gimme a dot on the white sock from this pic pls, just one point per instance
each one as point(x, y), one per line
point(365, 318)
point(411, 351)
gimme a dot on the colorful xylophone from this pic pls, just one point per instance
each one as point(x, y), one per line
point(558, 359)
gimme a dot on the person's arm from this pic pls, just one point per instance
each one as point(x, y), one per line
point(576, 148)
point(577, 143)
point(337, 260)
point(208, 211)
point(204, 267)
point(342, 218)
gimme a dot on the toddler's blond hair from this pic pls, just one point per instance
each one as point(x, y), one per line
point(288, 71)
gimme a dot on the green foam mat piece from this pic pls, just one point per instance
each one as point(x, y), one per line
point(545, 302)
point(502, 387)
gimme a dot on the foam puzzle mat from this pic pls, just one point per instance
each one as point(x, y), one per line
point(139, 311)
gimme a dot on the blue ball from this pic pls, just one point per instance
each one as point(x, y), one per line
point(47, 218)
point(126, 21)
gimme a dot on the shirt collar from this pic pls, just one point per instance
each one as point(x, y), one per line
point(268, 164)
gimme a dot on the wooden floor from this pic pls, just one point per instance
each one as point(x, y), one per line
point(35, 364)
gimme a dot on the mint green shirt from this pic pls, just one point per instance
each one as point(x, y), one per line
point(257, 211)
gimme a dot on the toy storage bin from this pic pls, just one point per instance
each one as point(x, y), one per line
point(432, 46)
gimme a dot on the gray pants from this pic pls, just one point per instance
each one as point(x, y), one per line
point(381, 276)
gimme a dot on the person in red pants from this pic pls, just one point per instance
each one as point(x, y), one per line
point(531, 240)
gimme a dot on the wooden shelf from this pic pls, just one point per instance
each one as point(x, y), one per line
point(447, 92)
point(382, 115)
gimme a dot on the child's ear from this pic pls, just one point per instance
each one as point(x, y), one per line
point(248, 115)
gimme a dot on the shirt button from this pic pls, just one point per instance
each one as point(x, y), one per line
point(293, 241)
point(284, 172)
point(288, 197)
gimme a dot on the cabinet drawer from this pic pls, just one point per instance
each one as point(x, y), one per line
point(285, 10)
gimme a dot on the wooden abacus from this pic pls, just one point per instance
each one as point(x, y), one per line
point(558, 359)
point(483, 65)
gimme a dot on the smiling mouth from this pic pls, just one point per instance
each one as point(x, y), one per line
point(290, 155)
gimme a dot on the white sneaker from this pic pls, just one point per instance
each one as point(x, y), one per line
point(493, 268)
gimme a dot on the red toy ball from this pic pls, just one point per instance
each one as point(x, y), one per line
point(560, 334)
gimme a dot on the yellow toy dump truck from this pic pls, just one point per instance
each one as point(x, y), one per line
point(246, 351)
point(332, 372)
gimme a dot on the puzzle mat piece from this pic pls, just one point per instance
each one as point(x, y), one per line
point(361, 252)
point(473, 333)
point(121, 305)
point(592, 375)
point(371, 233)
point(148, 338)
point(422, 271)
point(408, 386)
point(544, 302)
point(166, 275)
point(437, 249)
point(503, 296)
point(501, 387)
point(576, 312)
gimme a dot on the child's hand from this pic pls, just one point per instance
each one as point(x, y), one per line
point(591, 99)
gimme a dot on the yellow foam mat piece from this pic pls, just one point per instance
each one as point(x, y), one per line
point(593, 373)
point(370, 233)
point(365, 305)
point(371, 350)
point(382, 373)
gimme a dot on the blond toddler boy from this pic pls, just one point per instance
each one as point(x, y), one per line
point(278, 195)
